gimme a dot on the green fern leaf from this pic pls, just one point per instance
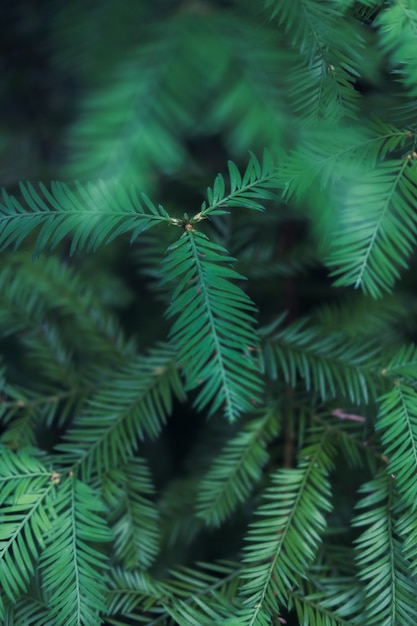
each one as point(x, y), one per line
point(213, 332)
point(284, 541)
point(134, 517)
point(245, 191)
point(25, 497)
point(92, 214)
point(333, 602)
point(236, 469)
point(203, 597)
point(397, 32)
point(378, 231)
point(322, 360)
point(397, 419)
point(132, 406)
point(390, 591)
point(73, 569)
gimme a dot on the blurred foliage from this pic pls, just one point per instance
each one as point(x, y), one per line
point(197, 426)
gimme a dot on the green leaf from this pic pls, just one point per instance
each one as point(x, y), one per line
point(397, 419)
point(284, 540)
point(92, 215)
point(134, 519)
point(26, 491)
point(236, 469)
point(378, 230)
point(213, 331)
point(258, 183)
point(390, 590)
point(131, 406)
point(320, 360)
point(72, 565)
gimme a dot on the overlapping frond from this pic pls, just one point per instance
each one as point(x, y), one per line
point(92, 214)
point(328, 601)
point(327, 155)
point(314, 26)
point(320, 360)
point(131, 406)
point(25, 498)
point(179, 524)
point(236, 469)
point(26, 610)
point(132, 124)
point(61, 293)
point(378, 229)
point(284, 540)
point(72, 565)
point(247, 97)
point(127, 491)
point(322, 87)
point(389, 589)
point(397, 32)
point(320, 91)
point(203, 596)
point(213, 331)
point(398, 421)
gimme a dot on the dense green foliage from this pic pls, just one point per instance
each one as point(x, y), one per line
point(208, 399)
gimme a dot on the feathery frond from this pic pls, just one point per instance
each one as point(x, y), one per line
point(130, 406)
point(398, 421)
point(72, 565)
point(322, 361)
point(236, 469)
point(245, 191)
point(378, 230)
point(284, 541)
point(25, 499)
point(328, 601)
point(213, 331)
point(203, 597)
point(397, 32)
point(389, 589)
point(127, 491)
point(92, 214)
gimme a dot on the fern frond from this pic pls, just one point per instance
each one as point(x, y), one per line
point(248, 98)
point(378, 230)
point(179, 524)
point(62, 293)
point(284, 541)
point(403, 364)
point(389, 589)
point(26, 610)
point(203, 597)
point(326, 155)
point(330, 601)
point(92, 214)
point(320, 91)
point(322, 361)
point(397, 419)
point(73, 568)
point(134, 517)
point(132, 125)
point(132, 591)
point(132, 405)
point(406, 526)
point(357, 316)
point(236, 469)
point(311, 24)
point(245, 191)
point(213, 332)
point(397, 32)
point(26, 489)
